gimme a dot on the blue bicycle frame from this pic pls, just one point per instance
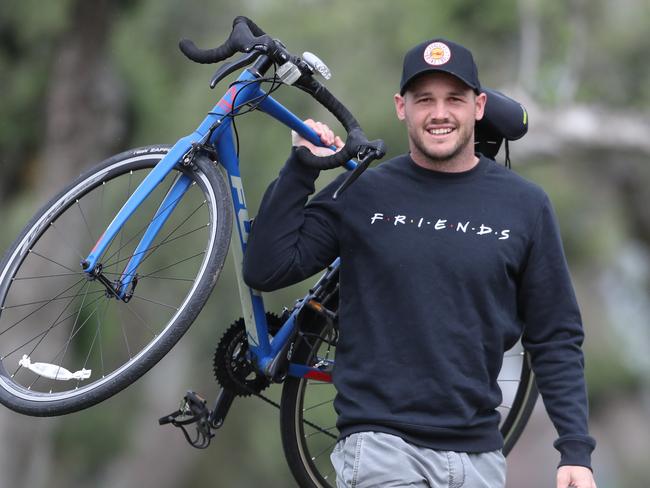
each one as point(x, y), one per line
point(216, 130)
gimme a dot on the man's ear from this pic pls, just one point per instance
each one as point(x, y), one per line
point(399, 106)
point(480, 101)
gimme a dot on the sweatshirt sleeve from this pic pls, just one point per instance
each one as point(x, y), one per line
point(553, 335)
point(290, 241)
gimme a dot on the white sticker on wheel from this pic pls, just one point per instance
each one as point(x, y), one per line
point(53, 371)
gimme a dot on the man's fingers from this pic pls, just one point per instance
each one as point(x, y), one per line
point(575, 477)
point(325, 133)
point(563, 479)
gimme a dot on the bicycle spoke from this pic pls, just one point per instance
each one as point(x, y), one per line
point(321, 431)
point(42, 334)
point(31, 251)
point(92, 344)
point(64, 350)
point(149, 275)
point(330, 472)
point(49, 300)
point(155, 302)
point(166, 239)
point(101, 203)
point(167, 278)
point(142, 229)
point(41, 307)
point(327, 449)
point(175, 264)
point(137, 315)
point(72, 329)
point(59, 275)
point(154, 247)
point(101, 348)
point(64, 239)
point(128, 194)
point(83, 216)
point(318, 404)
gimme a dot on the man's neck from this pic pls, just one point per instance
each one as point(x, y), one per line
point(459, 163)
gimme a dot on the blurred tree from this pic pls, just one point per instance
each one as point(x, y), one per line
point(80, 80)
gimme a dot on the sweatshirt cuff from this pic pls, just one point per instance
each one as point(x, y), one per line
point(575, 450)
point(293, 164)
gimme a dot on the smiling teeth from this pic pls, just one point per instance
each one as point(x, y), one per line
point(439, 132)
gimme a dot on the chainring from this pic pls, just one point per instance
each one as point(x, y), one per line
point(231, 366)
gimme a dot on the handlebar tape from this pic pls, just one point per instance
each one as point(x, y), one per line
point(244, 35)
point(355, 138)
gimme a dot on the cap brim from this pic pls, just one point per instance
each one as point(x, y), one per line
point(477, 89)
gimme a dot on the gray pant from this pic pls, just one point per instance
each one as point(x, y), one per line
point(374, 459)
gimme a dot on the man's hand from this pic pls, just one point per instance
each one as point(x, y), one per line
point(326, 136)
point(575, 476)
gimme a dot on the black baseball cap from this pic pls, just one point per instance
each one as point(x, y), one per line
point(440, 55)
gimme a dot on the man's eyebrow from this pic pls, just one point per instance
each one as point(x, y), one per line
point(452, 93)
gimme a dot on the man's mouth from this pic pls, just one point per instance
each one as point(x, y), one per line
point(440, 132)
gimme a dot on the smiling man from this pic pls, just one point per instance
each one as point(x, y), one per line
point(447, 259)
point(440, 106)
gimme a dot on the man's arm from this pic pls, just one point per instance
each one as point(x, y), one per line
point(290, 241)
point(553, 335)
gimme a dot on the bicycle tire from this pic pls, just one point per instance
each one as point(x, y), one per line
point(115, 341)
point(308, 459)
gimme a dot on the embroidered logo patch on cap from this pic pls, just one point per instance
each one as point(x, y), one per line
point(437, 53)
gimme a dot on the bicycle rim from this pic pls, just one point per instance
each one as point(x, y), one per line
point(309, 420)
point(54, 319)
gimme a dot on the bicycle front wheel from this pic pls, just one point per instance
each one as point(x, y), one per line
point(308, 418)
point(66, 341)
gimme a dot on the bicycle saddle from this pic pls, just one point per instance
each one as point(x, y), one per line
point(504, 118)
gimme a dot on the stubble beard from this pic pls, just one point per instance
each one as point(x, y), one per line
point(444, 159)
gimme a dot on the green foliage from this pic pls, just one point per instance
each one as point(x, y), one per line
point(27, 32)
point(583, 220)
point(609, 379)
point(363, 43)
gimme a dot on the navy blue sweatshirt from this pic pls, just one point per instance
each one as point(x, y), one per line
point(440, 274)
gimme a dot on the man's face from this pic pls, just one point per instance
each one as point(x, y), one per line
point(440, 112)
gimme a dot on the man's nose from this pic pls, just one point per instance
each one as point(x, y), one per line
point(439, 110)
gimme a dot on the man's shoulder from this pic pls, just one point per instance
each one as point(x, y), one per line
point(511, 181)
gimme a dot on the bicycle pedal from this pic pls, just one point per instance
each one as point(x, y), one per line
point(193, 410)
point(195, 404)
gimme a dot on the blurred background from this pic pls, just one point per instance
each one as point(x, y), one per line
point(81, 80)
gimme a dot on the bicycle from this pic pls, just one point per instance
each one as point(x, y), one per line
point(158, 223)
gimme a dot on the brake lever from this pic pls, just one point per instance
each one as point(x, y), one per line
point(375, 150)
point(227, 68)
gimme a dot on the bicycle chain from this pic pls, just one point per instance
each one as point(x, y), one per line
point(309, 423)
point(242, 387)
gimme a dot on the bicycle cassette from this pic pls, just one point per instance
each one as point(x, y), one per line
point(232, 368)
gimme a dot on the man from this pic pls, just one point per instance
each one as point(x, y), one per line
point(446, 260)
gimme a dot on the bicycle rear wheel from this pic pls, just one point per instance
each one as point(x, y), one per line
point(66, 342)
point(308, 419)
